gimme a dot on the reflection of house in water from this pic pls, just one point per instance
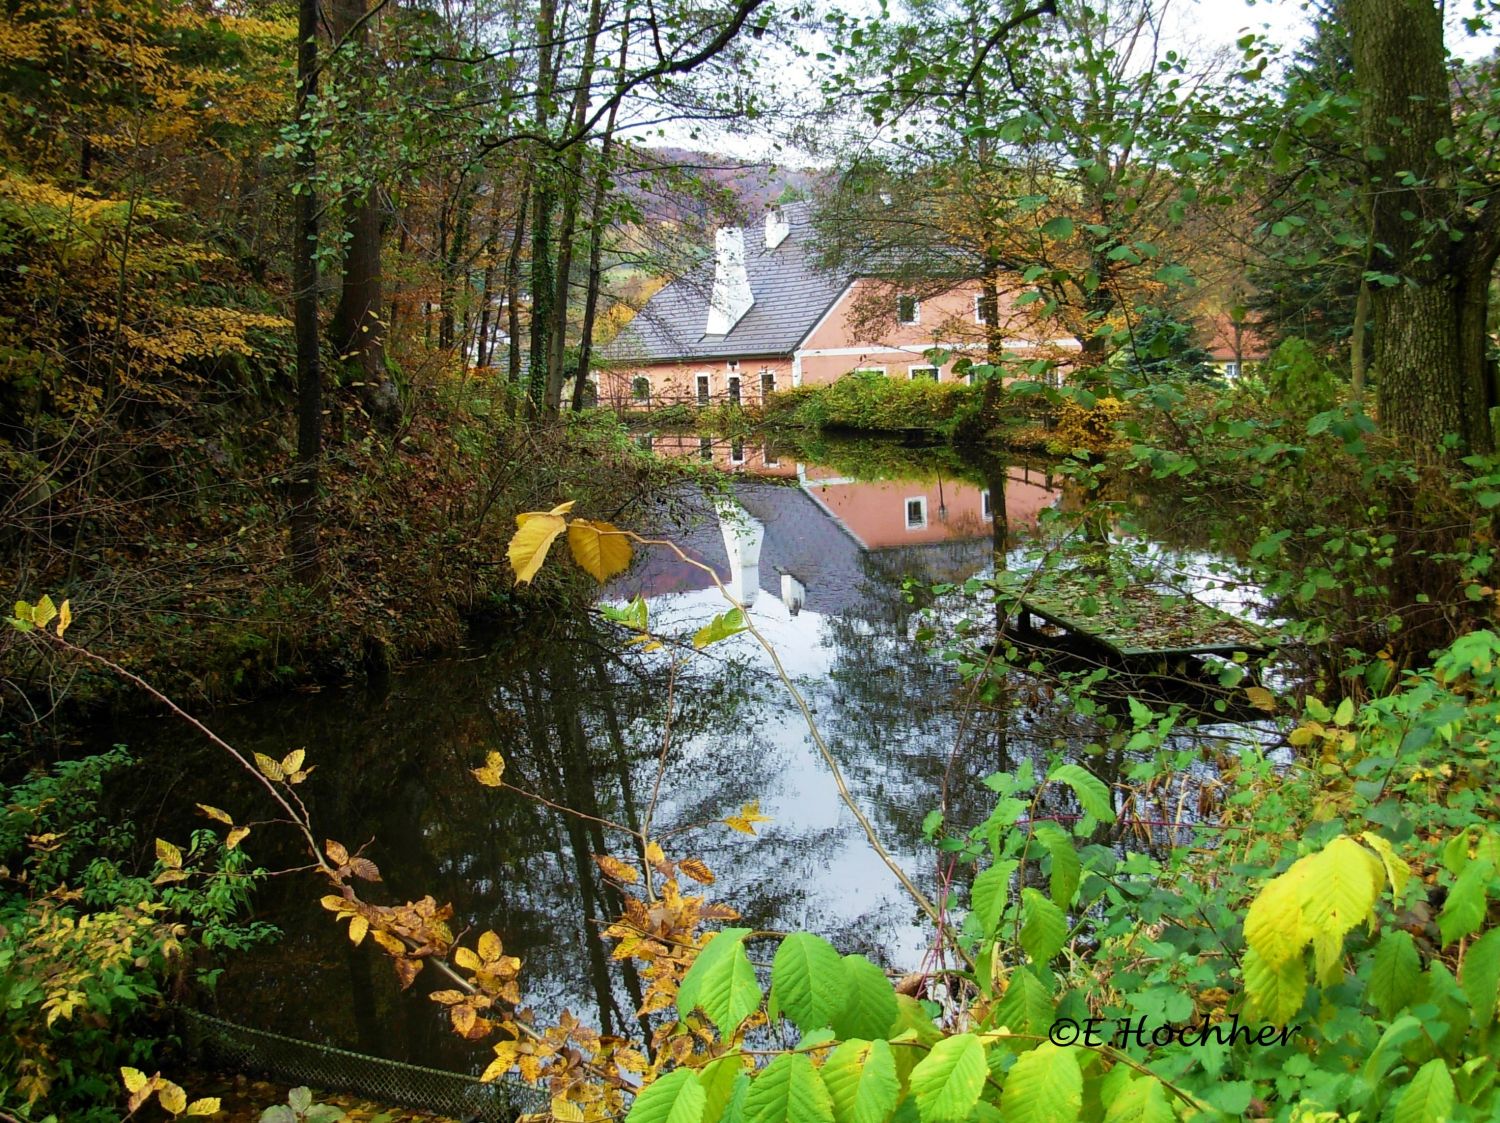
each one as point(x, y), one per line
point(813, 545)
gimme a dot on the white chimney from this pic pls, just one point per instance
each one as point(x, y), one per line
point(777, 228)
point(731, 297)
point(793, 593)
point(743, 536)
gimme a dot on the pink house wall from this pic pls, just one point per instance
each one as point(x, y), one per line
point(876, 512)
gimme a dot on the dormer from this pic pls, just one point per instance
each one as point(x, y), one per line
point(731, 297)
point(777, 228)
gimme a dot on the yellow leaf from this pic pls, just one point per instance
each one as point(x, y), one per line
point(292, 761)
point(448, 997)
point(466, 959)
point(235, 837)
point(134, 1079)
point(566, 1111)
point(529, 546)
point(463, 1017)
point(64, 618)
point(563, 508)
point(390, 943)
point(489, 774)
point(168, 855)
point(168, 877)
point(333, 902)
point(696, 870)
point(601, 549)
point(269, 768)
point(748, 816)
point(1343, 882)
point(1275, 925)
point(357, 929)
point(43, 612)
point(208, 1105)
point(337, 852)
point(489, 947)
point(215, 813)
point(1395, 867)
point(1261, 698)
point(617, 870)
point(172, 1097)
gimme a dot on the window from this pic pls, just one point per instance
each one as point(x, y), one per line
point(907, 310)
point(643, 442)
point(979, 316)
point(767, 383)
point(734, 389)
point(916, 513)
point(640, 389)
point(984, 505)
point(869, 370)
point(768, 454)
point(705, 448)
point(703, 389)
point(737, 452)
point(1231, 370)
point(928, 372)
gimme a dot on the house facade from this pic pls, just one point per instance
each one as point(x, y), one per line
point(761, 317)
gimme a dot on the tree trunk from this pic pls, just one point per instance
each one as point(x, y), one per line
point(304, 485)
point(1430, 357)
point(358, 333)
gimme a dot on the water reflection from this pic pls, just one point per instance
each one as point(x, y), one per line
point(820, 556)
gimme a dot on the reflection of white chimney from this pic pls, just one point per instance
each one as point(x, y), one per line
point(777, 228)
point(742, 538)
point(793, 593)
point(731, 296)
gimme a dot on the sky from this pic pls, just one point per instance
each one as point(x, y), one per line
point(1196, 28)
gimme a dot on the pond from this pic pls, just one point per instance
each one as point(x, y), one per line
point(821, 556)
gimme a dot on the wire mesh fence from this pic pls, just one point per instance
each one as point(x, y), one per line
point(227, 1046)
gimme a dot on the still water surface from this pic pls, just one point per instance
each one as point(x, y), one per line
point(582, 718)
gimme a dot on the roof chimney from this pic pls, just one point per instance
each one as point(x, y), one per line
point(731, 296)
point(777, 228)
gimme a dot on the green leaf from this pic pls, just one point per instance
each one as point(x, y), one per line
point(1275, 993)
point(1343, 881)
point(861, 1080)
point(1058, 228)
point(1027, 1005)
point(991, 888)
point(1140, 1101)
point(723, 626)
point(1045, 929)
point(788, 1090)
point(1480, 976)
point(807, 980)
point(1464, 910)
point(719, 1079)
point(1429, 1096)
point(946, 1083)
point(1043, 1086)
point(676, 1098)
point(721, 981)
point(869, 1001)
point(1394, 973)
point(1093, 795)
point(1066, 868)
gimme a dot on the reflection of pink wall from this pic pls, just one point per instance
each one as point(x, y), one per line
point(875, 513)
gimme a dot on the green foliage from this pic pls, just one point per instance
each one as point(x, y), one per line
point(871, 402)
point(1300, 380)
point(300, 1108)
point(87, 945)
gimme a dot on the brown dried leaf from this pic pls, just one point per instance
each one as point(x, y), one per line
point(407, 970)
point(337, 853)
point(616, 870)
point(696, 870)
point(270, 769)
point(364, 868)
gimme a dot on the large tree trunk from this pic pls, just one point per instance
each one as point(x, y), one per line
point(304, 485)
point(1429, 355)
point(357, 331)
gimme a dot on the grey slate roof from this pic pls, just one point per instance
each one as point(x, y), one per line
point(790, 297)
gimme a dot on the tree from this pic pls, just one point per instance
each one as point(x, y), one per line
point(1435, 226)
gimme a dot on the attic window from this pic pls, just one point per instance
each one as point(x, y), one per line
point(907, 310)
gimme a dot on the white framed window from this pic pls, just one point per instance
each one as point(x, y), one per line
point(734, 389)
point(768, 455)
point(921, 370)
point(908, 310)
point(703, 389)
point(916, 512)
point(869, 370)
point(737, 452)
point(1231, 370)
point(979, 317)
point(767, 382)
point(984, 505)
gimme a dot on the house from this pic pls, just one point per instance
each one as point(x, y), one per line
point(1234, 346)
point(762, 317)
